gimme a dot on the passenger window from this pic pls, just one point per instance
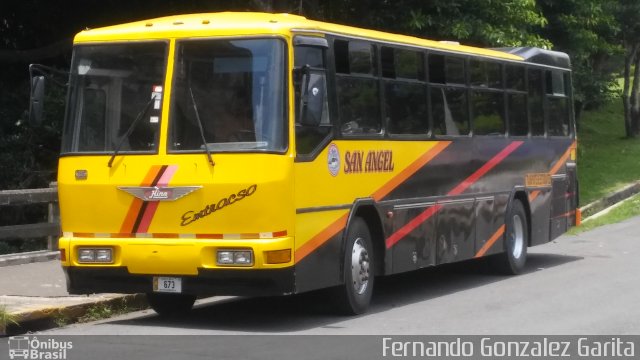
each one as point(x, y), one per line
point(455, 70)
point(387, 59)
point(409, 64)
point(518, 125)
point(515, 77)
point(436, 69)
point(406, 108)
point(358, 105)
point(449, 111)
point(486, 74)
point(341, 55)
point(488, 109)
point(361, 58)
point(558, 117)
point(536, 112)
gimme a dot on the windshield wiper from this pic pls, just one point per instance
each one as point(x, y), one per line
point(204, 141)
point(130, 129)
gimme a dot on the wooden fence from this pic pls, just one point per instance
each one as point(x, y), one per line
point(49, 229)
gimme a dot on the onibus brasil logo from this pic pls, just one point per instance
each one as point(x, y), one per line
point(25, 347)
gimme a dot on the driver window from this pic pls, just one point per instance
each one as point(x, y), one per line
point(309, 137)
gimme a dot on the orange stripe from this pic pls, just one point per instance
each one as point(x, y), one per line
point(410, 170)
point(321, 238)
point(556, 167)
point(491, 241)
point(134, 208)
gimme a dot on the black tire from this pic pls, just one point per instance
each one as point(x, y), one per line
point(354, 296)
point(516, 239)
point(168, 305)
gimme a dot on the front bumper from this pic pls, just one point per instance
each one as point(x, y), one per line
point(89, 280)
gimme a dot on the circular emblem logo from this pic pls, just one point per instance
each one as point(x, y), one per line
point(333, 160)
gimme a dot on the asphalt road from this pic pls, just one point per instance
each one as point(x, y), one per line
point(586, 284)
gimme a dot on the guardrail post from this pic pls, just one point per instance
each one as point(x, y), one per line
point(54, 217)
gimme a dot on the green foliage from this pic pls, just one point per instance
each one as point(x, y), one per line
point(587, 31)
point(606, 160)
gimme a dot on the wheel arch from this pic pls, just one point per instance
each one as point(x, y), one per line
point(367, 210)
point(519, 193)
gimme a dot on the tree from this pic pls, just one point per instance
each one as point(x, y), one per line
point(586, 30)
point(628, 15)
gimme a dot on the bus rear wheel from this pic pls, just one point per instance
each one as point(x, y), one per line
point(167, 305)
point(516, 240)
point(354, 296)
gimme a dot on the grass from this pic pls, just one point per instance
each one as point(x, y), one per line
point(606, 159)
point(106, 310)
point(6, 319)
point(627, 209)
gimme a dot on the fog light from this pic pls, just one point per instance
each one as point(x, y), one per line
point(235, 257)
point(277, 256)
point(103, 255)
point(225, 257)
point(86, 255)
point(242, 258)
point(95, 255)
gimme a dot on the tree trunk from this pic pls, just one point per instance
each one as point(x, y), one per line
point(635, 99)
point(626, 95)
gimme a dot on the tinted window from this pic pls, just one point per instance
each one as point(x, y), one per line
point(358, 105)
point(406, 108)
point(515, 77)
point(536, 102)
point(409, 64)
point(436, 69)
point(341, 54)
point(455, 70)
point(488, 111)
point(555, 83)
point(387, 59)
point(308, 55)
point(558, 117)
point(360, 57)
point(449, 111)
point(486, 74)
point(518, 125)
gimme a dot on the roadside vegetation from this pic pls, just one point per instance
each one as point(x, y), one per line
point(607, 160)
point(624, 210)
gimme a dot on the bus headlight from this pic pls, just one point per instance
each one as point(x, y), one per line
point(95, 255)
point(235, 257)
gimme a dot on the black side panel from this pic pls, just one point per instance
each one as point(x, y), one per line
point(456, 231)
point(322, 267)
point(540, 211)
point(559, 208)
point(417, 249)
point(485, 221)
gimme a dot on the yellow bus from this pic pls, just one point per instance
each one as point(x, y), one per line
point(268, 154)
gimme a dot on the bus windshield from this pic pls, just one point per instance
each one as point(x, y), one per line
point(111, 86)
point(231, 93)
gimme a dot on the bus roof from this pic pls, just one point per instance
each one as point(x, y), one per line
point(251, 23)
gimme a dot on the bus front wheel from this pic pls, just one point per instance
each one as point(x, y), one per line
point(170, 304)
point(354, 295)
point(516, 240)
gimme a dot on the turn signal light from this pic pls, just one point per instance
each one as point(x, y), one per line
point(277, 256)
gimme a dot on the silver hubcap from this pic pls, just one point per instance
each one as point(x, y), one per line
point(359, 266)
point(516, 237)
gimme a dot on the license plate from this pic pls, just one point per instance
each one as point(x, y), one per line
point(167, 284)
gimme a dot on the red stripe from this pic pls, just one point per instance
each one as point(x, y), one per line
point(485, 168)
point(459, 189)
point(411, 225)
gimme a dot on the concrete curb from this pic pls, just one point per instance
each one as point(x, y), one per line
point(609, 200)
point(41, 317)
point(28, 257)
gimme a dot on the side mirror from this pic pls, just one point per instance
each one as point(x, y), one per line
point(36, 101)
point(313, 97)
